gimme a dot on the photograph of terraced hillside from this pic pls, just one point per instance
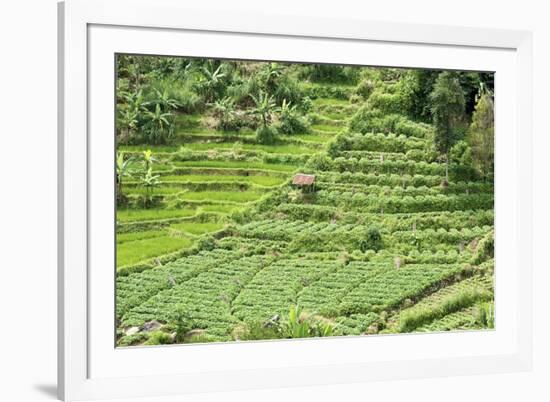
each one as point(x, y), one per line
point(265, 200)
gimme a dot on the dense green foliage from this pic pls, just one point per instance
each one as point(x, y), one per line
point(215, 243)
point(447, 106)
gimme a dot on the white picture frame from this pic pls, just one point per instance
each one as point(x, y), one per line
point(91, 32)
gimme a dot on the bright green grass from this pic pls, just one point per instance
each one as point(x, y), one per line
point(128, 215)
point(260, 180)
point(154, 148)
point(197, 228)
point(274, 149)
point(203, 131)
point(139, 250)
point(227, 196)
point(320, 138)
point(238, 164)
point(137, 167)
point(327, 128)
point(188, 120)
point(219, 208)
point(330, 101)
point(133, 236)
point(335, 116)
point(161, 190)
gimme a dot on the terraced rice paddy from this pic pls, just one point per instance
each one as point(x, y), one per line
point(232, 243)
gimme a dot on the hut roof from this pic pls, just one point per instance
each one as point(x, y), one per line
point(303, 179)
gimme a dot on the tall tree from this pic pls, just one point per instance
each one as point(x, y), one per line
point(447, 107)
point(481, 134)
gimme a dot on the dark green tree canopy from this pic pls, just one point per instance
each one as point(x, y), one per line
point(447, 107)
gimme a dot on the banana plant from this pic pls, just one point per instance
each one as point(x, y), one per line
point(224, 110)
point(211, 81)
point(297, 327)
point(123, 169)
point(165, 101)
point(269, 75)
point(264, 107)
point(159, 124)
point(150, 181)
point(148, 159)
point(130, 105)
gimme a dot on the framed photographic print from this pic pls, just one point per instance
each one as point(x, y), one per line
point(247, 205)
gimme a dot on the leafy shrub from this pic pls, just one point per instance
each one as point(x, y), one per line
point(224, 111)
point(368, 119)
point(387, 103)
point(260, 331)
point(287, 88)
point(305, 105)
point(372, 240)
point(485, 315)
point(365, 88)
point(183, 93)
point(134, 339)
point(461, 154)
point(415, 317)
point(327, 91)
point(485, 249)
point(320, 161)
point(331, 73)
point(291, 122)
point(266, 135)
point(206, 243)
point(300, 324)
point(159, 338)
point(181, 325)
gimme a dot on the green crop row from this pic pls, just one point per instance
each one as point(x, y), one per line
point(205, 300)
point(405, 204)
point(390, 222)
point(195, 186)
point(276, 288)
point(134, 289)
point(392, 180)
point(415, 317)
point(259, 180)
point(402, 167)
point(296, 155)
point(401, 204)
point(236, 165)
point(413, 191)
point(222, 172)
point(375, 142)
point(325, 295)
point(460, 320)
point(390, 287)
point(315, 91)
point(368, 120)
